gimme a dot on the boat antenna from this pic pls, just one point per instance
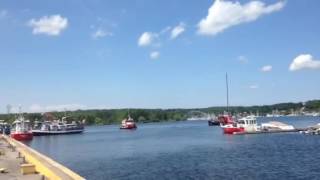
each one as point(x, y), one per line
point(227, 86)
point(65, 112)
point(20, 111)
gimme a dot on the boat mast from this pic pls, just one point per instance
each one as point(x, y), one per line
point(227, 85)
point(20, 116)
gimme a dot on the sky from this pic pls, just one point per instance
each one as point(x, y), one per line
point(88, 54)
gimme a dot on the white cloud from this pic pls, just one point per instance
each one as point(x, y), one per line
point(62, 107)
point(224, 14)
point(50, 25)
point(3, 13)
point(166, 29)
point(154, 55)
point(243, 59)
point(176, 31)
point(266, 68)
point(254, 86)
point(146, 38)
point(100, 33)
point(304, 61)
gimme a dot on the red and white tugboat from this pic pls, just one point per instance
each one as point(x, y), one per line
point(128, 123)
point(21, 129)
point(245, 124)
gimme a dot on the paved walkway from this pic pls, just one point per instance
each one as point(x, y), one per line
point(10, 161)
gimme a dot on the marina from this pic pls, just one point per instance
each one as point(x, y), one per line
point(156, 150)
point(104, 147)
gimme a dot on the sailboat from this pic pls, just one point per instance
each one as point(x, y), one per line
point(228, 124)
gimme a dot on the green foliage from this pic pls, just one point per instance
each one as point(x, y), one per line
point(313, 105)
point(115, 116)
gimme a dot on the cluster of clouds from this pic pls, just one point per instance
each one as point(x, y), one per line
point(54, 25)
point(222, 14)
point(50, 25)
point(152, 38)
point(301, 62)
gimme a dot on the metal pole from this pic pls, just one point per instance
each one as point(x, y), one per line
point(227, 85)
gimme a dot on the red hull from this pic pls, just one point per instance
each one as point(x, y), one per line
point(231, 130)
point(128, 127)
point(22, 136)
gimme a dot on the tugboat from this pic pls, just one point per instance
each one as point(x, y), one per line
point(21, 129)
point(245, 124)
point(57, 127)
point(128, 123)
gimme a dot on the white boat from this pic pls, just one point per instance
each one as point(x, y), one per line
point(57, 127)
point(276, 125)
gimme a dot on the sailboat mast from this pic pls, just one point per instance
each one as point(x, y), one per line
point(227, 85)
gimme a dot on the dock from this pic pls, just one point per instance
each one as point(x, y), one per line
point(18, 161)
point(271, 131)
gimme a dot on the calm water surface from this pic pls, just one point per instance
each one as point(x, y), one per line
point(186, 150)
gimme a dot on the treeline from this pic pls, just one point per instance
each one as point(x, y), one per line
point(114, 116)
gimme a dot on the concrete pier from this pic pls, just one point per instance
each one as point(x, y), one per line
point(270, 131)
point(18, 158)
point(10, 164)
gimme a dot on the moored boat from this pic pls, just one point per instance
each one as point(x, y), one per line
point(213, 122)
point(275, 125)
point(57, 127)
point(4, 127)
point(21, 129)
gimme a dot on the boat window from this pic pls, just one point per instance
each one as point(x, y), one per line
point(241, 122)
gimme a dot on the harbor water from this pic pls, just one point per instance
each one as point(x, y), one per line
point(186, 150)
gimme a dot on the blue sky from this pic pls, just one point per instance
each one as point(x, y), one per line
point(157, 54)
